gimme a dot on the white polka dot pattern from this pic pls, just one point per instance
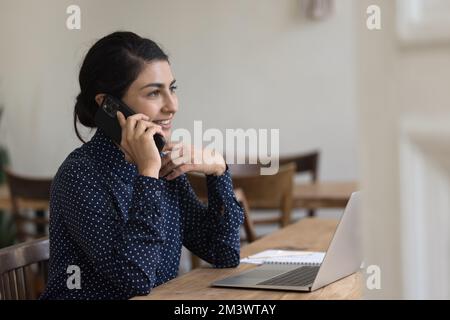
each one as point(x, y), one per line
point(125, 231)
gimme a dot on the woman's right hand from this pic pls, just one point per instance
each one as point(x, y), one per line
point(138, 144)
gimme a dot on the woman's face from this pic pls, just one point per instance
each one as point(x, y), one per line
point(153, 94)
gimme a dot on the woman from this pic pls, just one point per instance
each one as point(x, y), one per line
point(120, 214)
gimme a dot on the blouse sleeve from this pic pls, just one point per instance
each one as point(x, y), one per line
point(125, 252)
point(212, 231)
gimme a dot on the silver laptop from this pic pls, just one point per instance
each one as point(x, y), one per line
point(342, 258)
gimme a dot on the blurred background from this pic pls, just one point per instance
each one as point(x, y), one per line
point(369, 106)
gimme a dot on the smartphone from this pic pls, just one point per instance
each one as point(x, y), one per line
point(106, 119)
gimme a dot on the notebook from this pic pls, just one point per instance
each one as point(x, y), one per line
point(310, 258)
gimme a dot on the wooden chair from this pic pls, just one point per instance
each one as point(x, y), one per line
point(261, 191)
point(29, 193)
point(24, 269)
point(305, 163)
point(266, 191)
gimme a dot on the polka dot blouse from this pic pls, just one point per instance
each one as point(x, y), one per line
point(125, 231)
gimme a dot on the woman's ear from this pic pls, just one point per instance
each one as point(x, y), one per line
point(99, 98)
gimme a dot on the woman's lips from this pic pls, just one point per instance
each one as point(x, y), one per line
point(165, 124)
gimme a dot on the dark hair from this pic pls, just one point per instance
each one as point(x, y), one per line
point(110, 66)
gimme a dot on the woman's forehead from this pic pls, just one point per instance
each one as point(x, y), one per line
point(155, 72)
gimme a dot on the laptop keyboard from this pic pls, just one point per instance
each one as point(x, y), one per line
point(300, 277)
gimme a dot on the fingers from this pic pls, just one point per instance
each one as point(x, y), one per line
point(178, 172)
point(171, 145)
point(176, 150)
point(138, 142)
point(164, 171)
point(131, 124)
point(133, 128)
point(168, 168)
point(122, 122)
point(135, 125)
point(121, 119)
point(142, 127)
point(176, 157)
point(151, 131)
point(123, 141)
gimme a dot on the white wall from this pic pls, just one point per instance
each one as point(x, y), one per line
point(250, 64)
point(397, 83)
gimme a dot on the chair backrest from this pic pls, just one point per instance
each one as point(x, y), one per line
point(28, 193)
point(306, 162)
point(267, 191)
point(27, 187)
point(261, 191)
point(23, 269)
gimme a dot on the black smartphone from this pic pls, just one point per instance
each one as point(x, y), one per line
point(106, 119)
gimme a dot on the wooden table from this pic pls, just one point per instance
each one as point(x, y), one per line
point(323, 194)
point(307, 234)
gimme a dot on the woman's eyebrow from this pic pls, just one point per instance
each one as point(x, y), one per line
point(158, 84)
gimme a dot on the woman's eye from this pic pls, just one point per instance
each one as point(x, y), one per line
point(154, 93)
point(173, 88)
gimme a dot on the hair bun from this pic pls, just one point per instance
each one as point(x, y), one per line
point(84, 112)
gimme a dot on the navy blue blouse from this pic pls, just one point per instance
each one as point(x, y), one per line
point(124, 231)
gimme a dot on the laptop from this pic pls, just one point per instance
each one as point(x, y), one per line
point(342, 259)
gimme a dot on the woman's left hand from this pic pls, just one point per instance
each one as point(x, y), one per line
point(180, 158)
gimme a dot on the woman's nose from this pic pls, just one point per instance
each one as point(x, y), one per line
point(170, 105)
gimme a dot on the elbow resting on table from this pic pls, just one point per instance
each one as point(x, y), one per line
point(141, 290)
point(229, 262)
point(140, 287)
